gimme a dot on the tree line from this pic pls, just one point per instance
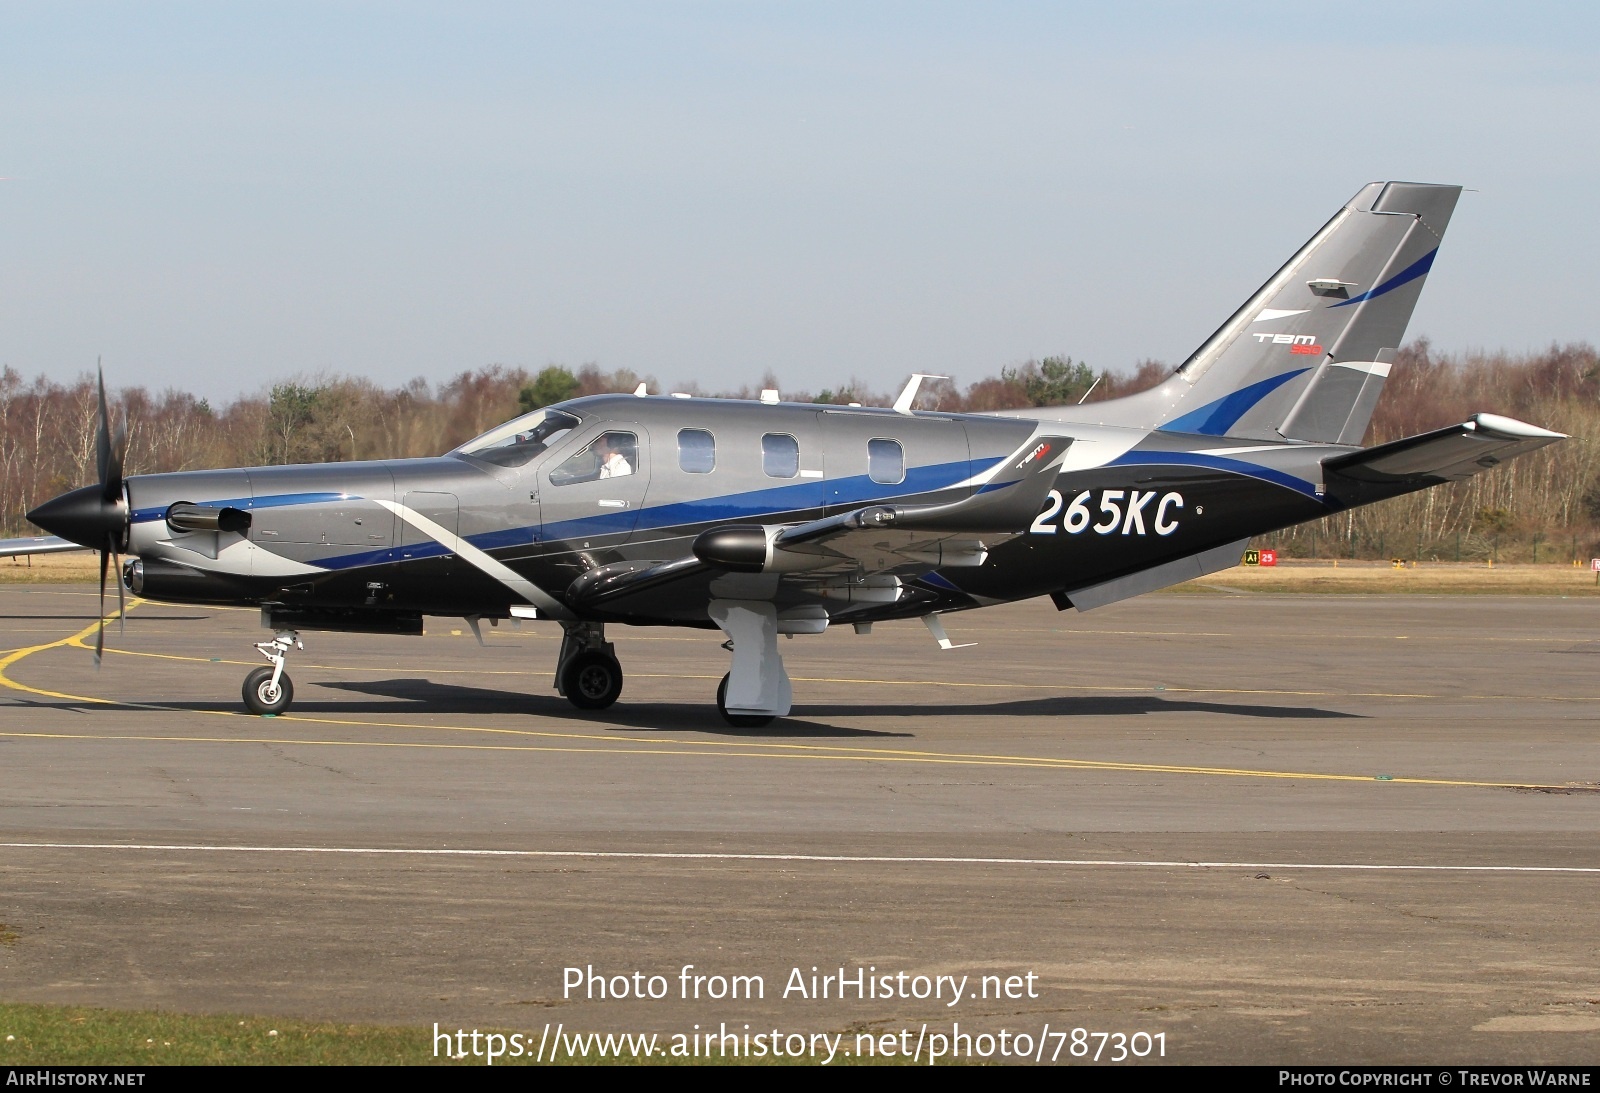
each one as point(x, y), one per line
point(47, 432)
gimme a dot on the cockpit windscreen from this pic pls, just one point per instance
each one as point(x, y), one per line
point(519, 440)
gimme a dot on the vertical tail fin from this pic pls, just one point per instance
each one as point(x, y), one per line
point(1306, 356)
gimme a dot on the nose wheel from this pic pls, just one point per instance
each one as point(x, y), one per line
point(268, 690)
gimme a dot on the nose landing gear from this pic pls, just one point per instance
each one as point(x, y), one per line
point(269, 690)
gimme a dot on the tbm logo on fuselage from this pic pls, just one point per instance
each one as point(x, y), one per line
point(1297, 343)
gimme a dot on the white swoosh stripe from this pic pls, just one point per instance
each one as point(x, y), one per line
point(498, 570)
point(1239, 451)
point(1276, 313)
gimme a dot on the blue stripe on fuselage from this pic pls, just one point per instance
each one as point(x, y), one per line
point(856, 490)
point(939, 581)
point(750, 505)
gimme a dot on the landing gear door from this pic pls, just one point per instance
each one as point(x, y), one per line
point(592, 491)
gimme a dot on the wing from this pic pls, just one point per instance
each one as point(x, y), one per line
point(36, 544)
point(881, 540)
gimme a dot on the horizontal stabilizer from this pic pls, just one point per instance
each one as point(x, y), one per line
point(1444, 455)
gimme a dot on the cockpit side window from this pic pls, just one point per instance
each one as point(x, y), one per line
point(886, 461)
point(518, 441)
point(697, 451)
point(780, 455)
point(609, 455)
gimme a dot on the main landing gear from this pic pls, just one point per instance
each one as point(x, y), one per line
point(739, 720)
point(587, 670)
point(756, 689)
point(269, 690)
point(588, 674)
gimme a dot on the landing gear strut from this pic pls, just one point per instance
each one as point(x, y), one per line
point(587, 671)
point(269, 690)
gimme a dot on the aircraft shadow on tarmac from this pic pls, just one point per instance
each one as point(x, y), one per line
point(414, 695)
point(432, 697)
point(400, 697)
point(426, 696)
point(1085, 706)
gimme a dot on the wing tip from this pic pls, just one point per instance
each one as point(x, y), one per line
point(1510, 428)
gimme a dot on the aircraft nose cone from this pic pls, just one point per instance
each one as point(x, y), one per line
point(83, 516)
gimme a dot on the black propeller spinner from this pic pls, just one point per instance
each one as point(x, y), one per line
point(96, 516)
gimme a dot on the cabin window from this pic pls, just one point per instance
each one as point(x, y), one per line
point(609, 455)
point(886, 461)
point(780, 455)
point(697, 451)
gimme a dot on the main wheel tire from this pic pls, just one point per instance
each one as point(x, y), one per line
point(739, 720)
point(592, 680)
point(260, 697)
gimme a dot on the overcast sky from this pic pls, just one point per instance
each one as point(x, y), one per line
point(218, 196)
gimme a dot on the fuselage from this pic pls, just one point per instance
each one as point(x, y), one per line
point(439, 536)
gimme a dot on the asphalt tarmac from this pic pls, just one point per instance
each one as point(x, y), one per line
point(1256, 828)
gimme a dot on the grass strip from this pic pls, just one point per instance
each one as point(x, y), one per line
point(47, 1035)
point(39, 1035)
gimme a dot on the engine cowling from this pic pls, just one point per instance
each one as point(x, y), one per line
point(740, 548)
point(753, 548)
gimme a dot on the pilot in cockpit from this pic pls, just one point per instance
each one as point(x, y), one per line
point(611, 452)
